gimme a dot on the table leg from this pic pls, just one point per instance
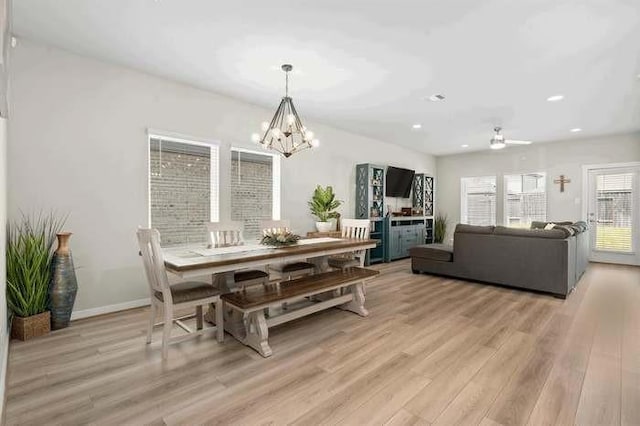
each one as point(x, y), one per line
point(357, 304)
point(257, 333)
point(321, 263)
point(232, 320)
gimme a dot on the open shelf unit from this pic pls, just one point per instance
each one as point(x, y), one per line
point(423, 202)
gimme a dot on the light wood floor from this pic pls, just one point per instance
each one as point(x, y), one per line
point(432, 351)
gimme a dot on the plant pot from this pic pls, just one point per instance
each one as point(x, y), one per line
point(63, 286)
point(25, 328)
point(324, 226)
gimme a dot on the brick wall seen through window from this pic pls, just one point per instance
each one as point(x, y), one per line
point(252, 197)
point(182, 191)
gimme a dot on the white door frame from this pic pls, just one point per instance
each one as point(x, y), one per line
point(633, 260)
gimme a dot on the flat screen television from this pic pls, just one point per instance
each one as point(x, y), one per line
point(398, 182)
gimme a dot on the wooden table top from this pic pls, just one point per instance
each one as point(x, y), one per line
point(264, 295)
point(181, 259)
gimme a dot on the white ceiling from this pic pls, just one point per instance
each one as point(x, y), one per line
point(366, 65)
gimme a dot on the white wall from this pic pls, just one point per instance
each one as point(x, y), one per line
point(4, 337)
point(78, 145)
point(555, 158)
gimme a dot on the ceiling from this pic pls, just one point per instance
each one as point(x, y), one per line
point(367, 65)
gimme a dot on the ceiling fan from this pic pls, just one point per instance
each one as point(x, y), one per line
point(498, 141)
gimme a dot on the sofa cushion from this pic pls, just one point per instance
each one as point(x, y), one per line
point(555, 233)
point(579, 226)
point(540, 225)
point(474, 229)
point(439, 252)
point(567, 228)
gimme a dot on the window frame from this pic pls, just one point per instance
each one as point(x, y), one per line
point(276, 177)
point(505, 193)
point(464, 217)
point(214, 169)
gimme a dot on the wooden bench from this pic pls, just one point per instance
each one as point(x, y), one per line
point(342, 288)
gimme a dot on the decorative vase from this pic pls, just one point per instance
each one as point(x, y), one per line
point(63, 286)
point(324, 226)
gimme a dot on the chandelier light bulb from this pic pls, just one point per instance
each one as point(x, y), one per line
point(315, 143)
point(265, 126)
point(275, 132)
point(308, 135)
point(255, 138)
point(291, 119)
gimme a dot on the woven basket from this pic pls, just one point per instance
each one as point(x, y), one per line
point(25, 328)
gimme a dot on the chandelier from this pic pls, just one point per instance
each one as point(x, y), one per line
point(285, 133)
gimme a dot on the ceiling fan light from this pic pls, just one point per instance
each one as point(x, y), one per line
point(497, 144)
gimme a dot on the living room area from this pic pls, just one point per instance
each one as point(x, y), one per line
point(308, 213)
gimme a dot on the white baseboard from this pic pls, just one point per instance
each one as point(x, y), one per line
point(4, 358)
point(101, 310)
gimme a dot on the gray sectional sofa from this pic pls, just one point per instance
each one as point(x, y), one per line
point(551, 261)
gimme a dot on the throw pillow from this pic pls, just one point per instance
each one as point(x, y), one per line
point(549, 226)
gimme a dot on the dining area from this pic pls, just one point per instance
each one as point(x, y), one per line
point(242, 288)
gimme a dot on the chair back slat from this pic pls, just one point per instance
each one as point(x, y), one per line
point(153, 259)
point(225, 234)
point(274, 226)
point(356, 228)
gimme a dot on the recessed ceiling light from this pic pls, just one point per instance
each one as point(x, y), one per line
point(465, 146)
point(436, 97)
point(576, 130)
point(555, 98)
point(417, 126)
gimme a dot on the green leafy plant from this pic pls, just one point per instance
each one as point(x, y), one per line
point(323, 203)
point(30, 241)
point(439, 228)
point(278, 239)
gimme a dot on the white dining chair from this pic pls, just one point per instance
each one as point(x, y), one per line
point(227, 234)
point(286, 270)
point(168, 297)
point(358, 229)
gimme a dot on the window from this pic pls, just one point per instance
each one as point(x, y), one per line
point(255, 189)
point(478, 200)
point(614, 212)
point(525, 199)
point(183, 189)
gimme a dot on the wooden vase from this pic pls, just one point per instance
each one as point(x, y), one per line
point(63, 286)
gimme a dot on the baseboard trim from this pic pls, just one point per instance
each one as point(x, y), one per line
point(101, 310)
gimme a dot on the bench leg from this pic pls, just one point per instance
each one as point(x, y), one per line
point(257, 333)
point(357, 304)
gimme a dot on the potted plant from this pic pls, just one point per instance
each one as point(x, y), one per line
point(323, 205)
point(29, 253)
point(439, 228)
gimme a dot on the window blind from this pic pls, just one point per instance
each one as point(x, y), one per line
point(253, 179)
point(183, 189)
point(525, 199)
point(478, 203)
point(614, 200)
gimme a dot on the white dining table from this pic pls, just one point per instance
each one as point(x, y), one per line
point(220, 263)
point(189, 262)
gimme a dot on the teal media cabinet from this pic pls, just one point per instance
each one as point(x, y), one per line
point(396, 235)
